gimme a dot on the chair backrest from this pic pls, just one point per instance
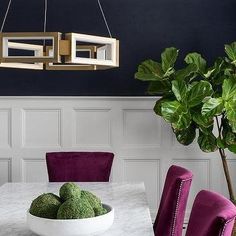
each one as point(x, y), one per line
point(170, 216)
point(212, 215)
point(79, 166)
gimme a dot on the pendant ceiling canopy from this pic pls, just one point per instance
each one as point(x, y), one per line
point(57, 51)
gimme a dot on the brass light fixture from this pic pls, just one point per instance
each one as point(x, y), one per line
point(69, 51)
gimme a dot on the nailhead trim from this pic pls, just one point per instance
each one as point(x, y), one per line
point(177, 205)
point(223, 231)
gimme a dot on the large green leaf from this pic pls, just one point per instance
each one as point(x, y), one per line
point(196, 59)
point(218, 81)
point(207, 143)
point(168, 58)
point(201, 120)
point(215, 70)
point(219, 66)
point(149, 70)
point(225, 126)
point(176, 113)
point(230, 50)
point(209, 73)
point(179, 88)
point(232, 148)
point(213, 107)
point(171, 110)
point(198, 92)
point(157, 107)
point(230, 138)
point(188, 73)
point(230, 108)
point(205, 130)
point(159, 87)
point(186, 136)
point(229, 89)
point(183, 121)
point(221, 143)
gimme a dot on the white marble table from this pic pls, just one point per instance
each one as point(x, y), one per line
point(132, 216)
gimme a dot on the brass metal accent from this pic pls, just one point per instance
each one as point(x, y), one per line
point(64, 47)
point(117, 53)
point(69, 67)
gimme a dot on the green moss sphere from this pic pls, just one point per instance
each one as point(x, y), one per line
point(93, 200)
point(75, 208)
point(45, 206)
point(69, 190)
point(100, 211)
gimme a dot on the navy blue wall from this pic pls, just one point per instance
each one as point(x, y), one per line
point(144, 28)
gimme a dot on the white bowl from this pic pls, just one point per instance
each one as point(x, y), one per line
point(74, 227)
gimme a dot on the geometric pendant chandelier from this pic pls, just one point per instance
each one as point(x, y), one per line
point(57, 51)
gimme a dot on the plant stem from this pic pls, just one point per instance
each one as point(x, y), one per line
point(227, 174)
point(225, 166)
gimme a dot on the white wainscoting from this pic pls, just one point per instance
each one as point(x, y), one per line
point(143, 143)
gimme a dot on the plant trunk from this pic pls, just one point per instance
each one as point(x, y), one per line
point(229, 183)
point(227, 175)
point(234, 230)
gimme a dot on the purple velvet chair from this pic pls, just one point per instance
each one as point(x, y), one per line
point(170, 216)
point(79, 166)
point(212, 215)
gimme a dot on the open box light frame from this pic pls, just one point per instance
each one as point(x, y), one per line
point(38, 51)
point(61, 54)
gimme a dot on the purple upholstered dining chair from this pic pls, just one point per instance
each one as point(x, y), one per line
point(79, 166)
point(170, 216)
point(212, 215)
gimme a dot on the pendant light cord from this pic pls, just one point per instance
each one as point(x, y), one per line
point(104, 18)
point(45, 20)
point(5, 16)
point(45, 15)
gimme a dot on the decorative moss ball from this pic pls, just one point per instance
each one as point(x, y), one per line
point(100, 211)
point(93, 200)
point(75, 208)
point(69, 190)
point(45, 206)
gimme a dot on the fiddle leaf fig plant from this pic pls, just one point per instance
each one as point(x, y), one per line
point(196, 98)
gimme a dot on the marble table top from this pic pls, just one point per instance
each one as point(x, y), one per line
point(132, 216)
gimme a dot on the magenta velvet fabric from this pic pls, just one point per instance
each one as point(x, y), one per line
point(170, 216)
point(79, 166)
point(212, 215)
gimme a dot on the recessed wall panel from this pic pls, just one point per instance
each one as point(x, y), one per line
point(41, 128)
point(34, 170)
point(5, 128)
point(147, 171)
point(93, 127)
point(141, 127)
point(5, 170)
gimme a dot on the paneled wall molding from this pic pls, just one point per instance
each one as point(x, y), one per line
point(143, 143)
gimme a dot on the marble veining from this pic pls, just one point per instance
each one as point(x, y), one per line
point(132, 216)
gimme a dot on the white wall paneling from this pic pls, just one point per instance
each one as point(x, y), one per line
point(5, 170)
point(33, 170)
point(47, 132)
point(92, 127)
point(143, 143)
point(5, 128)
point(148, 171)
